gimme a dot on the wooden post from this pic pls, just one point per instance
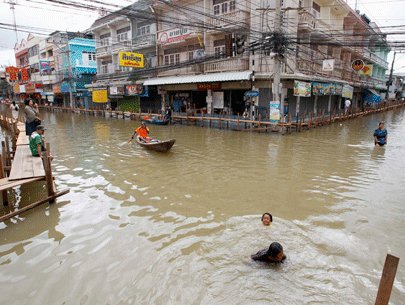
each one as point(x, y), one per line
point(238, 121)
point(48, 172)
point(4, 155)
point(3, 175)
point(8, 154)
point(387, 280)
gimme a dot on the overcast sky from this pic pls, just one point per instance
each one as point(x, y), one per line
point(36, 13)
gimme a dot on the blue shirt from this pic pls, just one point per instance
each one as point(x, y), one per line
point(381, 135)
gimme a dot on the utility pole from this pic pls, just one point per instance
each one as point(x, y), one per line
point(390, 78)
point(12, 8)
point(70, 76)
point(277, 63)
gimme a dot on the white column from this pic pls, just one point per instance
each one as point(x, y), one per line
point(209, 101)
point(297, 106)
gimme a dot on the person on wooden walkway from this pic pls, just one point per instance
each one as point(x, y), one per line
point(37, 145)
point(31, 117)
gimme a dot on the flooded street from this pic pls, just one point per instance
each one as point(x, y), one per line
point(140, 227)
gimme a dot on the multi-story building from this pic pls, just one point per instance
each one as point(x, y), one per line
point(47, 69)
point(201, 64)
point(22, 63)
point(198, 66)
point(124, 31)
point(34, 87)
point(78, 69)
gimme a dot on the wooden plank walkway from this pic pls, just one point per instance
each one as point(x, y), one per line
point(25, 165)
point(6, 184)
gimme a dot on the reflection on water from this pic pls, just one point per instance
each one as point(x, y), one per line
point(140, 227)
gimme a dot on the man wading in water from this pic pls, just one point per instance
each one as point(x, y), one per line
point(380, 135)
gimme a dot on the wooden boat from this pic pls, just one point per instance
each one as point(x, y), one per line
point(156, 121)
point(157, 145)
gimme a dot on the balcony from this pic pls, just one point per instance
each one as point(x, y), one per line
point(197, 68)
point(124, 46)
point(235, 19)
point(225, 65)
point(145, 41)
point(102, 51)
point(306, 21)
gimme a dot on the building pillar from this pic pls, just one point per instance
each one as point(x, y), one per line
point(163, 105)
point(315, 105)
point(297, 106)
point(209, 101)
point(329, 103)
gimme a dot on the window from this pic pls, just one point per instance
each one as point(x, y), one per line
point(224, 7)
point(219, 51)
point(104, 69)
point(316, 7)
point(172, 59)
point(143, 30)
point(105, 39)
point(87, 57)
point(191, 55)
point(33, 51)
point(232, 6)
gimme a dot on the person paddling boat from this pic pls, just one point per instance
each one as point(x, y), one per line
point(142, 133)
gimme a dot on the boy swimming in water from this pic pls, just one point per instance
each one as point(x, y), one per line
point(267, 219)
point(274, 254)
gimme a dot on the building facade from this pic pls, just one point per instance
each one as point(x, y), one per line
point(125, 31)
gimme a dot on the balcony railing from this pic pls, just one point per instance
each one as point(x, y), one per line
point(197, 68)
point(235, 19)
point(121, 46)
point(306, 21)
point(144, 41)
point(224, 65)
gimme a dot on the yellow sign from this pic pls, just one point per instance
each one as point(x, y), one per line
point(130, 59)
point(367, 70)
point(100, 96)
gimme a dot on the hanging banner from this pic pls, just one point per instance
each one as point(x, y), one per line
point(30, 88)
point(130, 59)
point(302, 89)
point(44, 67)
point(25, 77)
point(22, 89)
point(347, 91)
point(322, 88)
point(135, 89)
point(328, 65)
point(12, 73)
point(99, 96)
point(174, 36)
point(115, 90)
point(56, 88)
point(274, 111)
point(367, 70)
point(16, 88)
point(337, 90)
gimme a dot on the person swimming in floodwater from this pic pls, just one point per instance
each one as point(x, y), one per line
point(267, 219)
point(274, 254)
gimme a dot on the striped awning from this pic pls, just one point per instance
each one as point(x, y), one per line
point(203, 78)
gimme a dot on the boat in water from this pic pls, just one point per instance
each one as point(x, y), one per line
point(157, 145)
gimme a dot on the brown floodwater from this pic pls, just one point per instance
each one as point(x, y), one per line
point(147, 228)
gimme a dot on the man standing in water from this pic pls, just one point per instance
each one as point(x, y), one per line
point(348, 103)
point(380, 135)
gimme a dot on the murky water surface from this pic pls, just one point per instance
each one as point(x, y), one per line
point(146, 228)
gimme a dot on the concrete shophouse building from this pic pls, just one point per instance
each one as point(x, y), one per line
point(34, 87)
point(131, 29)
point(199, 66)
point(78, 69)
point(22, 63)
point(47, 69)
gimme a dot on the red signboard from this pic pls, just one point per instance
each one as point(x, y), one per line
point(13, 73)
point(24, 75)
point(209, 86)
